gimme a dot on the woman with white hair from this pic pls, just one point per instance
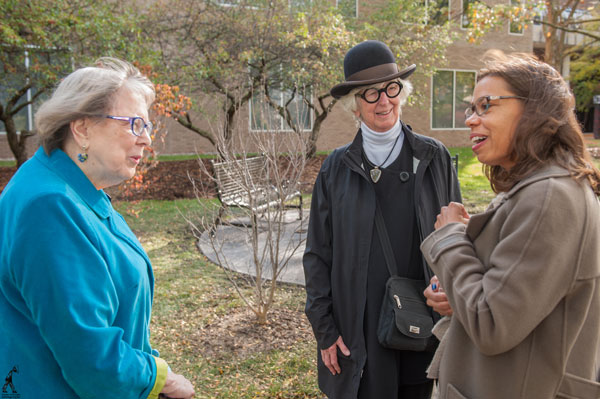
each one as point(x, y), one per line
point(76, 286)
point(408, 177)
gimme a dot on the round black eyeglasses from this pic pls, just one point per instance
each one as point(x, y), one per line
point(373, 94)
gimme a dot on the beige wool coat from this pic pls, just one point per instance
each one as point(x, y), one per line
point(523, 280)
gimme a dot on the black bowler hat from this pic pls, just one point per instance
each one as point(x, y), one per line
point(368, 63)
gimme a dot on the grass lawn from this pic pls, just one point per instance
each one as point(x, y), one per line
point(7, 163)
point(474, 186)
point(202, 327)
point(193, 297)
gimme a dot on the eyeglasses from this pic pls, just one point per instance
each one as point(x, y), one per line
point(137, 124)
point(482, 104)
point(372, 94)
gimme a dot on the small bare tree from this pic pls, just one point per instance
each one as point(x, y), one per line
point(260, 172)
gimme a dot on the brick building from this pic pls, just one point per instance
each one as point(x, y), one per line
point(441, 116)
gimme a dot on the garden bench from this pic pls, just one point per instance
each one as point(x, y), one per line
point(244, 183)
point(455, 162)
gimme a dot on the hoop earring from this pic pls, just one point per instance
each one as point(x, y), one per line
point(83, 156)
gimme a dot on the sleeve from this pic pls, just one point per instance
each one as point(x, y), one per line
point(162, 369)
point(317, 262)
point(67, 286)
point(529, 272)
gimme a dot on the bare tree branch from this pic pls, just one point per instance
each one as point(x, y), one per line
point(187, 122)
point(563, 28)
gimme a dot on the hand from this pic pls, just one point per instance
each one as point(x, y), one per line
point(454, 212)
point(329, 355)
point(177, 387)
point(436, 298)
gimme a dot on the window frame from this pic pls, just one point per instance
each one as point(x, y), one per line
point(28, 107)
point(307, 3)
point(453, 98)
point(462, 13)
point(427, 11)
point(227, 3)
point(284, 128)
point(511, 3)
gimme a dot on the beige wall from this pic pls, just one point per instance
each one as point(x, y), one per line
point(6, 154)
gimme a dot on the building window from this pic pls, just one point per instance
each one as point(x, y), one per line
point(27, 63)
point(515, 28)
point(348, 8)
point(465, 21)
point(300, 4)
point(24, 118)
point(255, 5)
point(263, 117)
point(228, 3)
point(451, 93)
point(436, 12)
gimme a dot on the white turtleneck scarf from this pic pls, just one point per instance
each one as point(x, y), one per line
point(378, 145)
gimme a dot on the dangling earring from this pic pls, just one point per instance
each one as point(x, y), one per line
point(83, 156)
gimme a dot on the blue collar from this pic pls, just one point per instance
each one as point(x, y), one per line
point(61, 164)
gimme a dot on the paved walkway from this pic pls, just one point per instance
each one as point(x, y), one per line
point(231, 247)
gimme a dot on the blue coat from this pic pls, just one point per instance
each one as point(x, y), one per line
point(76, 289)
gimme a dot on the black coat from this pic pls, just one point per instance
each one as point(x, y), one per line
point(338, 244)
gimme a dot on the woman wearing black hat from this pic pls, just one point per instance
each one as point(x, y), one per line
point(409, 177)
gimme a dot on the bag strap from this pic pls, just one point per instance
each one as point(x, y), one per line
point(388, 253)
point(390, 260)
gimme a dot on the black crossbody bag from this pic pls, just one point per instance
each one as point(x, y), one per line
point(405, 320)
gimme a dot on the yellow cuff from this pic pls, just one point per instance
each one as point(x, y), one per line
point(162, 370)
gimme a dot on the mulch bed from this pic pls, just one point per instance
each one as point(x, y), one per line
point(5, 175)
point(238, 334)
point(173, 180)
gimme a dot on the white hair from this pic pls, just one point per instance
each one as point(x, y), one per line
point(350, 100)
point(88, 91)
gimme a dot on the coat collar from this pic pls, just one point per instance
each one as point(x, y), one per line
point(478, 222)
point(61, 164)
point(421, 149)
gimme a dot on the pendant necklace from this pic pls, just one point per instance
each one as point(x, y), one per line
point(376, 172)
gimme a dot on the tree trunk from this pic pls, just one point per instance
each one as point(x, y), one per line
point(550, 36)
point(228, 127)
point(261, 316)
point(316, 130)
point(314, 135)
point(16, 142)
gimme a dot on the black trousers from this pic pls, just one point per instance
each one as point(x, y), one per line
point(416, 391)
point(419, 391)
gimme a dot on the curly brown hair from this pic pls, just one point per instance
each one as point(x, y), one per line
point(548, 131)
